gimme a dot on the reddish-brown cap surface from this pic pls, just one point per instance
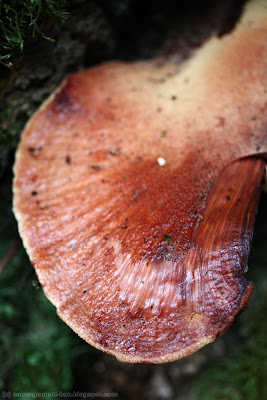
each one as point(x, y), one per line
point(130, 201)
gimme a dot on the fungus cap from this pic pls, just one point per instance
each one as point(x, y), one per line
point(135, 191)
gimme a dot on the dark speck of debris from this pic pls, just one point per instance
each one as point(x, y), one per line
point(34, 193)
point(124, 227)
point(163, 133)
point(254, 117)
point(85, 291)
point(258, 148)
point(228, 198)
point(123, 325)
point(230, 189)
point(142, 281)
point(95, 166)
point(238, 200)
point(68, 159)
point(112, 152)
point(34, 151)
point(174, 97)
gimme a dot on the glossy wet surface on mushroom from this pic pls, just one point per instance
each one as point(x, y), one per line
point(131, 205)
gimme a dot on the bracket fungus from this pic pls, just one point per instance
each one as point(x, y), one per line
point(136, 188)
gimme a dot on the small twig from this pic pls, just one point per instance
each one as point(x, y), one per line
point(264, 181)
point(9, 255)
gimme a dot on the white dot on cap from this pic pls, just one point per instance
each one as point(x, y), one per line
point(161, 161)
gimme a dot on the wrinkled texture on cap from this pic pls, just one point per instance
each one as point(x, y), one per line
point(137, 226)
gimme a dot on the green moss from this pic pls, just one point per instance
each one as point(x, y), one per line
point(19, 20)
point(36, 346)
point(241, 375)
